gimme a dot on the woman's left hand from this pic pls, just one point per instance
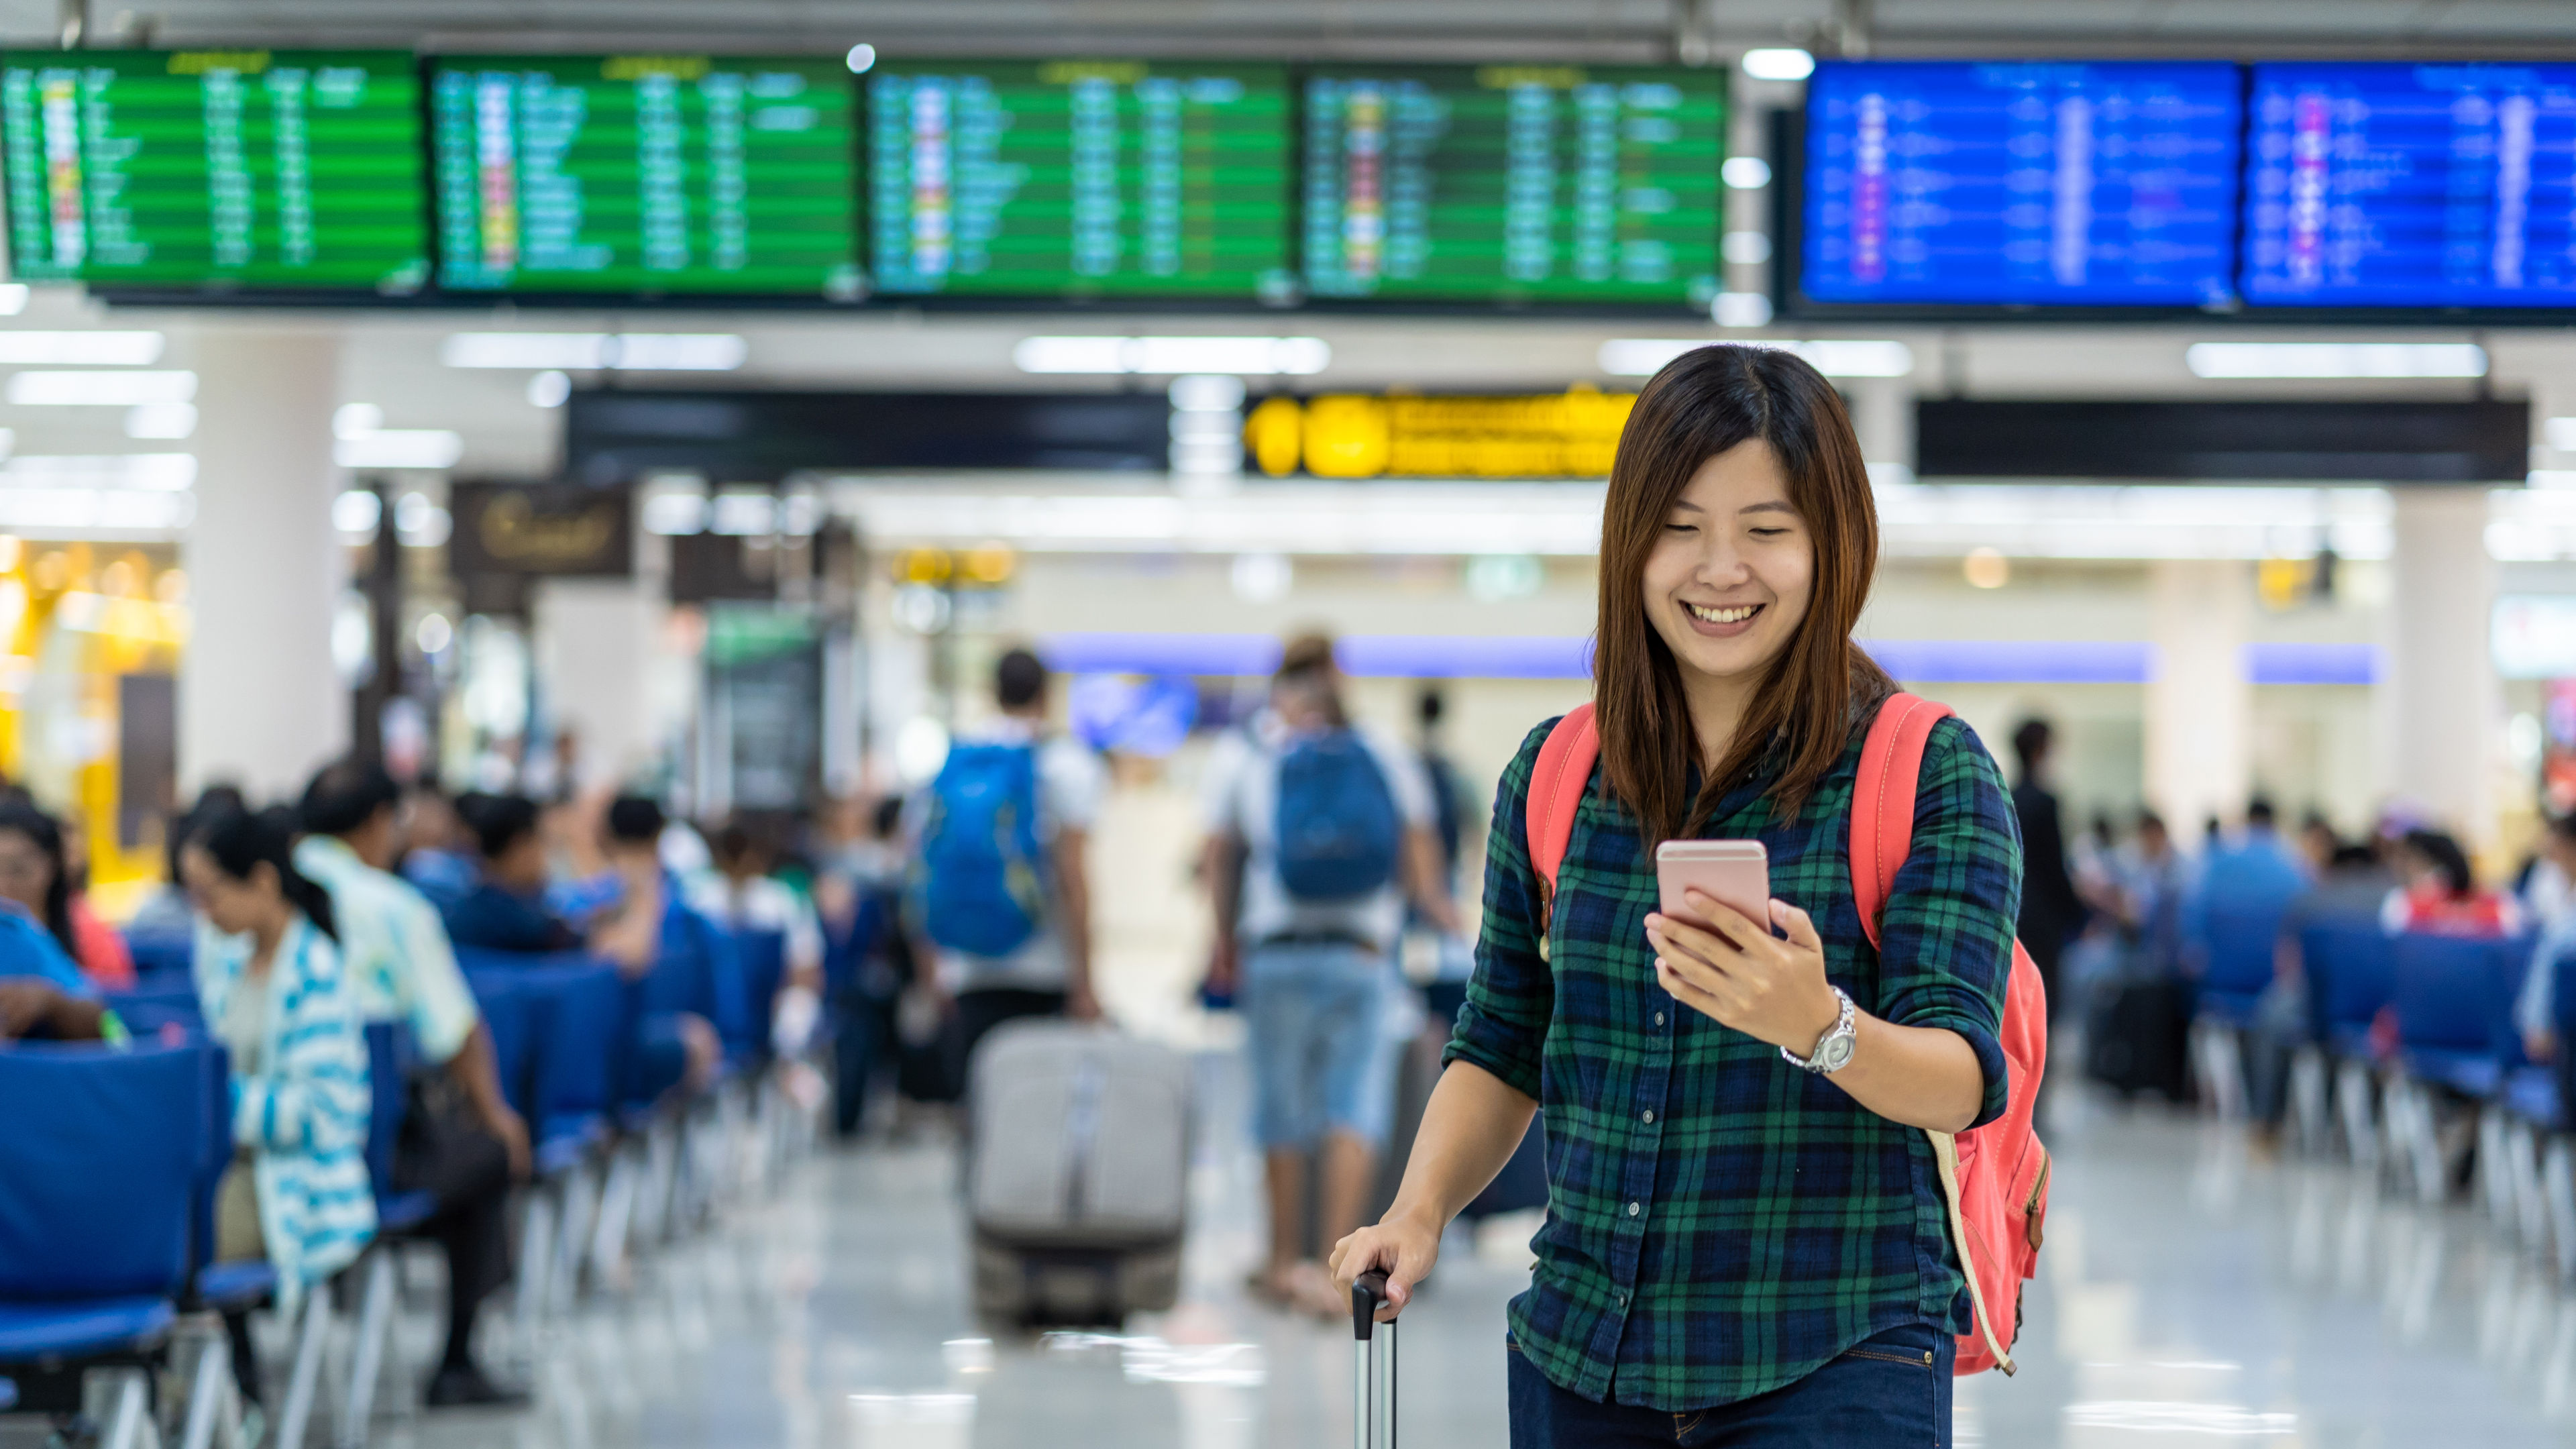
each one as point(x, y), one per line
point(1742, 976)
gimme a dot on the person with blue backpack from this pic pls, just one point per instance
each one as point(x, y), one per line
point(1318, 833)
point(999, 888)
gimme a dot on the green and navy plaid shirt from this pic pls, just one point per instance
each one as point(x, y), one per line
point(1719, 1222)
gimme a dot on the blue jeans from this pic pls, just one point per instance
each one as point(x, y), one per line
point(1311, 1014)
point(1893, 1389)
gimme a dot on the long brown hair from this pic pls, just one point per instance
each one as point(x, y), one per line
point(1704, 402)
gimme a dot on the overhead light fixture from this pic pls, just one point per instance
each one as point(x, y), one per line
point(2561, 433)
point(862, 58)
point(91, 349)
point(1832, 356)
point(1746, 173)
point(549, 389)
point(1740, 309)
point(100, 389)
point(161, 421)
point(356, 420)
point(1174, 356)
point(150, 472)
point(13, 298)
point(400, 448)
point(2335, 359)
point(1779, 63)
point(95, 511)
point(597, 351)
point(357, 511)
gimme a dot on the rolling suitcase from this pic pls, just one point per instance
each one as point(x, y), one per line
point(1077, 1173)
point(1372, 1366)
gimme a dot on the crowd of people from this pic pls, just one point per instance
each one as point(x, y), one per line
point(2102, 912)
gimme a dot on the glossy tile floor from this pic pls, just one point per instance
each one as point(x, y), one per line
point(2191, 1291)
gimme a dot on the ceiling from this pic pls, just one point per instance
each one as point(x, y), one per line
point(1598, 30)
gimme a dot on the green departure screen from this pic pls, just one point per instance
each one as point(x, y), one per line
point(227, 169)
point(1514, 183)
point(1079, 179)
point(651, 174)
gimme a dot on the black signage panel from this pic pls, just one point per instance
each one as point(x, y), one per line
point(561, 530)
point(745, 437)
point(2476, 443)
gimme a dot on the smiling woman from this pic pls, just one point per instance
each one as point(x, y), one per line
point(1759, 1245)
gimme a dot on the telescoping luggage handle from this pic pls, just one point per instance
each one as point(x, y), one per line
point(1372, 1366)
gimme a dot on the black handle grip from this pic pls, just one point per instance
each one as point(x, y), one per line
point(1368, 1290)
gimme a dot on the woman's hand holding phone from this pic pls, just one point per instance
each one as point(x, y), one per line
point(1739, 974)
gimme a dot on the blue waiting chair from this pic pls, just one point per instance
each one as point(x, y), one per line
point(509, 1007)
point(577, 1011)
point(158, 958)
point(2453, 999)
point(95, 1251)
point(2350, 966)
point(400, 1216)
point(763, 954)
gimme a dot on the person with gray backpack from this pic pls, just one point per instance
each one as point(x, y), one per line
point(1318, 833)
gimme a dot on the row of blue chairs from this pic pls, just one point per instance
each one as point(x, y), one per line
point(2451, 1002)
point(612, 1171)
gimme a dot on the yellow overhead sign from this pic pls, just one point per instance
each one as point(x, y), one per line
point(1573, 434)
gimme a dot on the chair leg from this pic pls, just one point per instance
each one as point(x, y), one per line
point(2308, 1099)
point(536, 1261)
point(2495, 1167)
point(375, 1327)
point(580, 1213)
point(301, 1385)
point(2432, 1184)
point(2558, 1181)
point(653, 1195)
point(2530, 1203)
point(129, 1424)
point(2352, 1102)
point(616, 1214)
point(214, 1408)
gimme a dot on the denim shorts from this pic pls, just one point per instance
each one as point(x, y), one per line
point(1312, 1012)
point(1891, 1389)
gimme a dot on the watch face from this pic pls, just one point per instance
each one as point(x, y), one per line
point(1836, 1052)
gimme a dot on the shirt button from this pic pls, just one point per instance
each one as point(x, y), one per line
point(1634, 1209)
point(1659, 1018)
point(1650, 1115)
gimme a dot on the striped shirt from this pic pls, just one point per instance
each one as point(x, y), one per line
point(1721, 1223)
point(303, 1113)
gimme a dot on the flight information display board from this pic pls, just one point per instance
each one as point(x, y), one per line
point(1074, 178)
point(2025, 183)
point(655, 174)
point(247, 169)
point(2395, 185)
point(1514, 183)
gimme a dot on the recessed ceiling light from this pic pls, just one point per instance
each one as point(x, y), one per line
point(2335, 359)
point(100, 389)
point(1779, 63)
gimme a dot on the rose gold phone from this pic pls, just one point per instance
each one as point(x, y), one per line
point(1737, 872)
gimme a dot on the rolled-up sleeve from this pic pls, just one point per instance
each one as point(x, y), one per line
point(1512, 996)
point(1946, 942)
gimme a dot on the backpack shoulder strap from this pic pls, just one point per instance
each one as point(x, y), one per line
point(1882, 808)
point(1555, 794)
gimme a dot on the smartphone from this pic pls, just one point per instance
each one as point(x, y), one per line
point(1737, 872)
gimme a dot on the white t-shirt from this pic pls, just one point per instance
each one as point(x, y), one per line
point(1241, 799)
point(1071, 782)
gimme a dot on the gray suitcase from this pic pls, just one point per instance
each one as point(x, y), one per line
point(1077, 1183)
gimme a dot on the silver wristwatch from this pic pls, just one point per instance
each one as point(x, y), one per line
point(1833, 1049)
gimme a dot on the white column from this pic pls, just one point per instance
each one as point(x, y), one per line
point(259, 700)
point(2200, 709)
point(2441, 692)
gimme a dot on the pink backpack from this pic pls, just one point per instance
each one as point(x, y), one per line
point(1995, 1176)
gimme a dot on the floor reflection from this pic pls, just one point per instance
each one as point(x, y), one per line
point(2194, 1288)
